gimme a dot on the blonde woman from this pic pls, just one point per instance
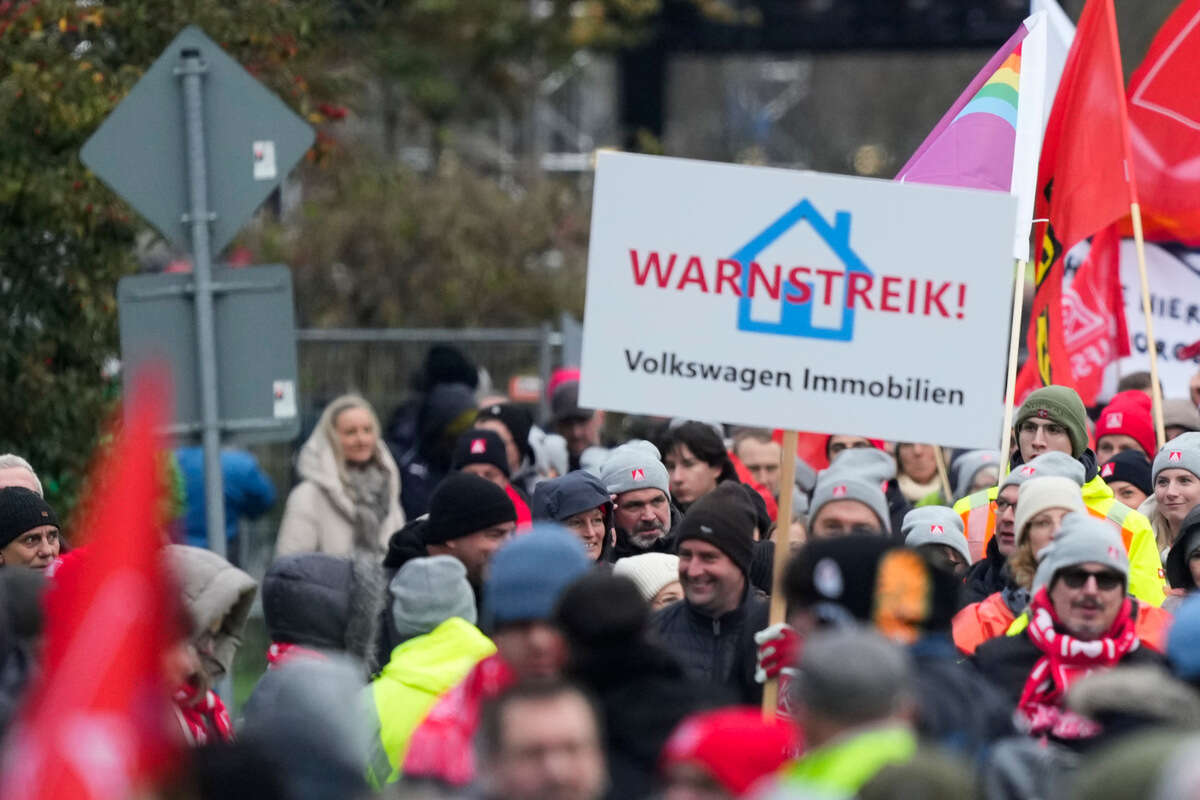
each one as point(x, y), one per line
point(348, 502)
point(1175, 477)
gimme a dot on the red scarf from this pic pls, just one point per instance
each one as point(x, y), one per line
point(279, 653)
point(201, 717)
point(1064, 660)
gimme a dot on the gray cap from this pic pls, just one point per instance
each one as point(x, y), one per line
point(935, 525)
point(1082, 539)
point(1181, 412)
point(968, 466)
point(838, 484)
point(637, 464)
point(1045, 465)
point(1182, 452)
point(853, 675)
point(869, 463)
point(428, 591)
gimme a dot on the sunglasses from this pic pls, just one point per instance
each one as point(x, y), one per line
point(1106, 581)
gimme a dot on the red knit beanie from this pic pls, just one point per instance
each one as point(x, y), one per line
point(1129, 413)
point(733, 745)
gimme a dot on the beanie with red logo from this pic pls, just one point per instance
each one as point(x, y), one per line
point(480, 446)
point(1130, 414)
point(1182, 452)
point(634, 465)
point(838, 483)
point(1046, 465)
point(935, 525)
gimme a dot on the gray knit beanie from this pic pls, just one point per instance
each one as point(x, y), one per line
point(868, 463)
point(1082, 539)
point(968, 466)
point(1182, 452)
point(426, 592)
point(637, 464)
point(1044, 466)
point(935, 525)
point(838, 484)
point(1181, 412)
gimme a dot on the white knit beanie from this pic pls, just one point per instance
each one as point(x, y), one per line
point(1038, 494)
point(650, 572)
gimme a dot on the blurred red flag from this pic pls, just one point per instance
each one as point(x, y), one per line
point(1085, 182)
point(1093, 313)
point(1164, 114)
point(96, 723)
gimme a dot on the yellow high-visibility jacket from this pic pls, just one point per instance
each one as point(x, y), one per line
point(1147, 581)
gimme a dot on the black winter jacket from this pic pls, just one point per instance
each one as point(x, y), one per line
point(719, 651)
point(624, 548)
point(985, 577)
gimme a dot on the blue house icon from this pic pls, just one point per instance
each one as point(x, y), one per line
point(796, 319)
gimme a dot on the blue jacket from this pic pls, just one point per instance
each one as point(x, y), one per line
point(248, 492)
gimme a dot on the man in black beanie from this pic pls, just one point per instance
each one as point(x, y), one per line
point(469, 518)
point(712, 630)
point(29, 532)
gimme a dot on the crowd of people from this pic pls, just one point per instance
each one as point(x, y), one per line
point(466, 604)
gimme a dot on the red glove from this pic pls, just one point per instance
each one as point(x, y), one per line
point(778, 648)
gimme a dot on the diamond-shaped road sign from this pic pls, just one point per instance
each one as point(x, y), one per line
point(252, 141)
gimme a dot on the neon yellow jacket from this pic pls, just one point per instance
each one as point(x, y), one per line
point(1146, 576)
point(842, 767)
point(419, 671)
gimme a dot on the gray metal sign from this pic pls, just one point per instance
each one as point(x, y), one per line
point(252, 141)
point(255, 335)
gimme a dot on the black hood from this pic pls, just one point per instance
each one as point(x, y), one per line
point(1178, 574)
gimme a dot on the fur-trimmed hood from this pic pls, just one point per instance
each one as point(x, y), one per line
point(213, 591)
point(325, 602)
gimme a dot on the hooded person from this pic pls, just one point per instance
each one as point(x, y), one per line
point(845, 502)
point(1051, 419)
point(526, 579)
point(712, 630)
point(641, 488)
point(433, 612)
point(315, 604)
point(1175, 475)
point(876, 465)
point(217, 597)
point(469, 518)
point(347, 502)
point(1081, 620)
point(581, 504)
point(641, 689)
point(481, 452)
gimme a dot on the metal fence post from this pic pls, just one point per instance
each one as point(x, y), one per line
point(545, 365)
point(191, 70)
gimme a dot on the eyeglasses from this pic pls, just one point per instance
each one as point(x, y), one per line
point(1106, 581)
point(1003, 505)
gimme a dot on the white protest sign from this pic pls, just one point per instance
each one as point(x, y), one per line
point(1174, 278)
point(798, 300)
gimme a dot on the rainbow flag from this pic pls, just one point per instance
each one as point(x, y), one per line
point(991, 137)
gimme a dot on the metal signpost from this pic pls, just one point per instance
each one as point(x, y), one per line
point(195, 148)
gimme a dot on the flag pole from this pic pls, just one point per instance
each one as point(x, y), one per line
point(939, 458)
point(783, 529)
point(1135, 211)
point(1014, 343)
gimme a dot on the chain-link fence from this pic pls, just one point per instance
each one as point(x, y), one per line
point(380, 365)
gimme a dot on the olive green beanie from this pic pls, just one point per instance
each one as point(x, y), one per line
point(1058, 404)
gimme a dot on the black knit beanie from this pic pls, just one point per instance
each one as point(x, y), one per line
point(463, 504)
point(724, 518)
point(480, 446)
point(1129, 466)
point(517, 419)
point(22, 510)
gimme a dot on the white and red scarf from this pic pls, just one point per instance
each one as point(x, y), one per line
point(1065, 659)
point(279, 653)
point(201, 718)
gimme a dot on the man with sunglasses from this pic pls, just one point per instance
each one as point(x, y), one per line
point(1081, 620)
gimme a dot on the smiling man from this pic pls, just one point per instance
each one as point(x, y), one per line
point(1081, 619)
point(712, 631)
point(29, 532)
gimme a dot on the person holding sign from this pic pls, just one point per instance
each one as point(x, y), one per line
point(1053, 419)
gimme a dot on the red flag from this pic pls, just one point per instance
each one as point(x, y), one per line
point(1093, 315)
point(1164, 116)
point(1084, 182)
point(95, 725)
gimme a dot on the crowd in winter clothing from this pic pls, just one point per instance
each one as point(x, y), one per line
point(466, 604)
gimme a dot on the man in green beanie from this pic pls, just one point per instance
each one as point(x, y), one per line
point(1053, 419)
